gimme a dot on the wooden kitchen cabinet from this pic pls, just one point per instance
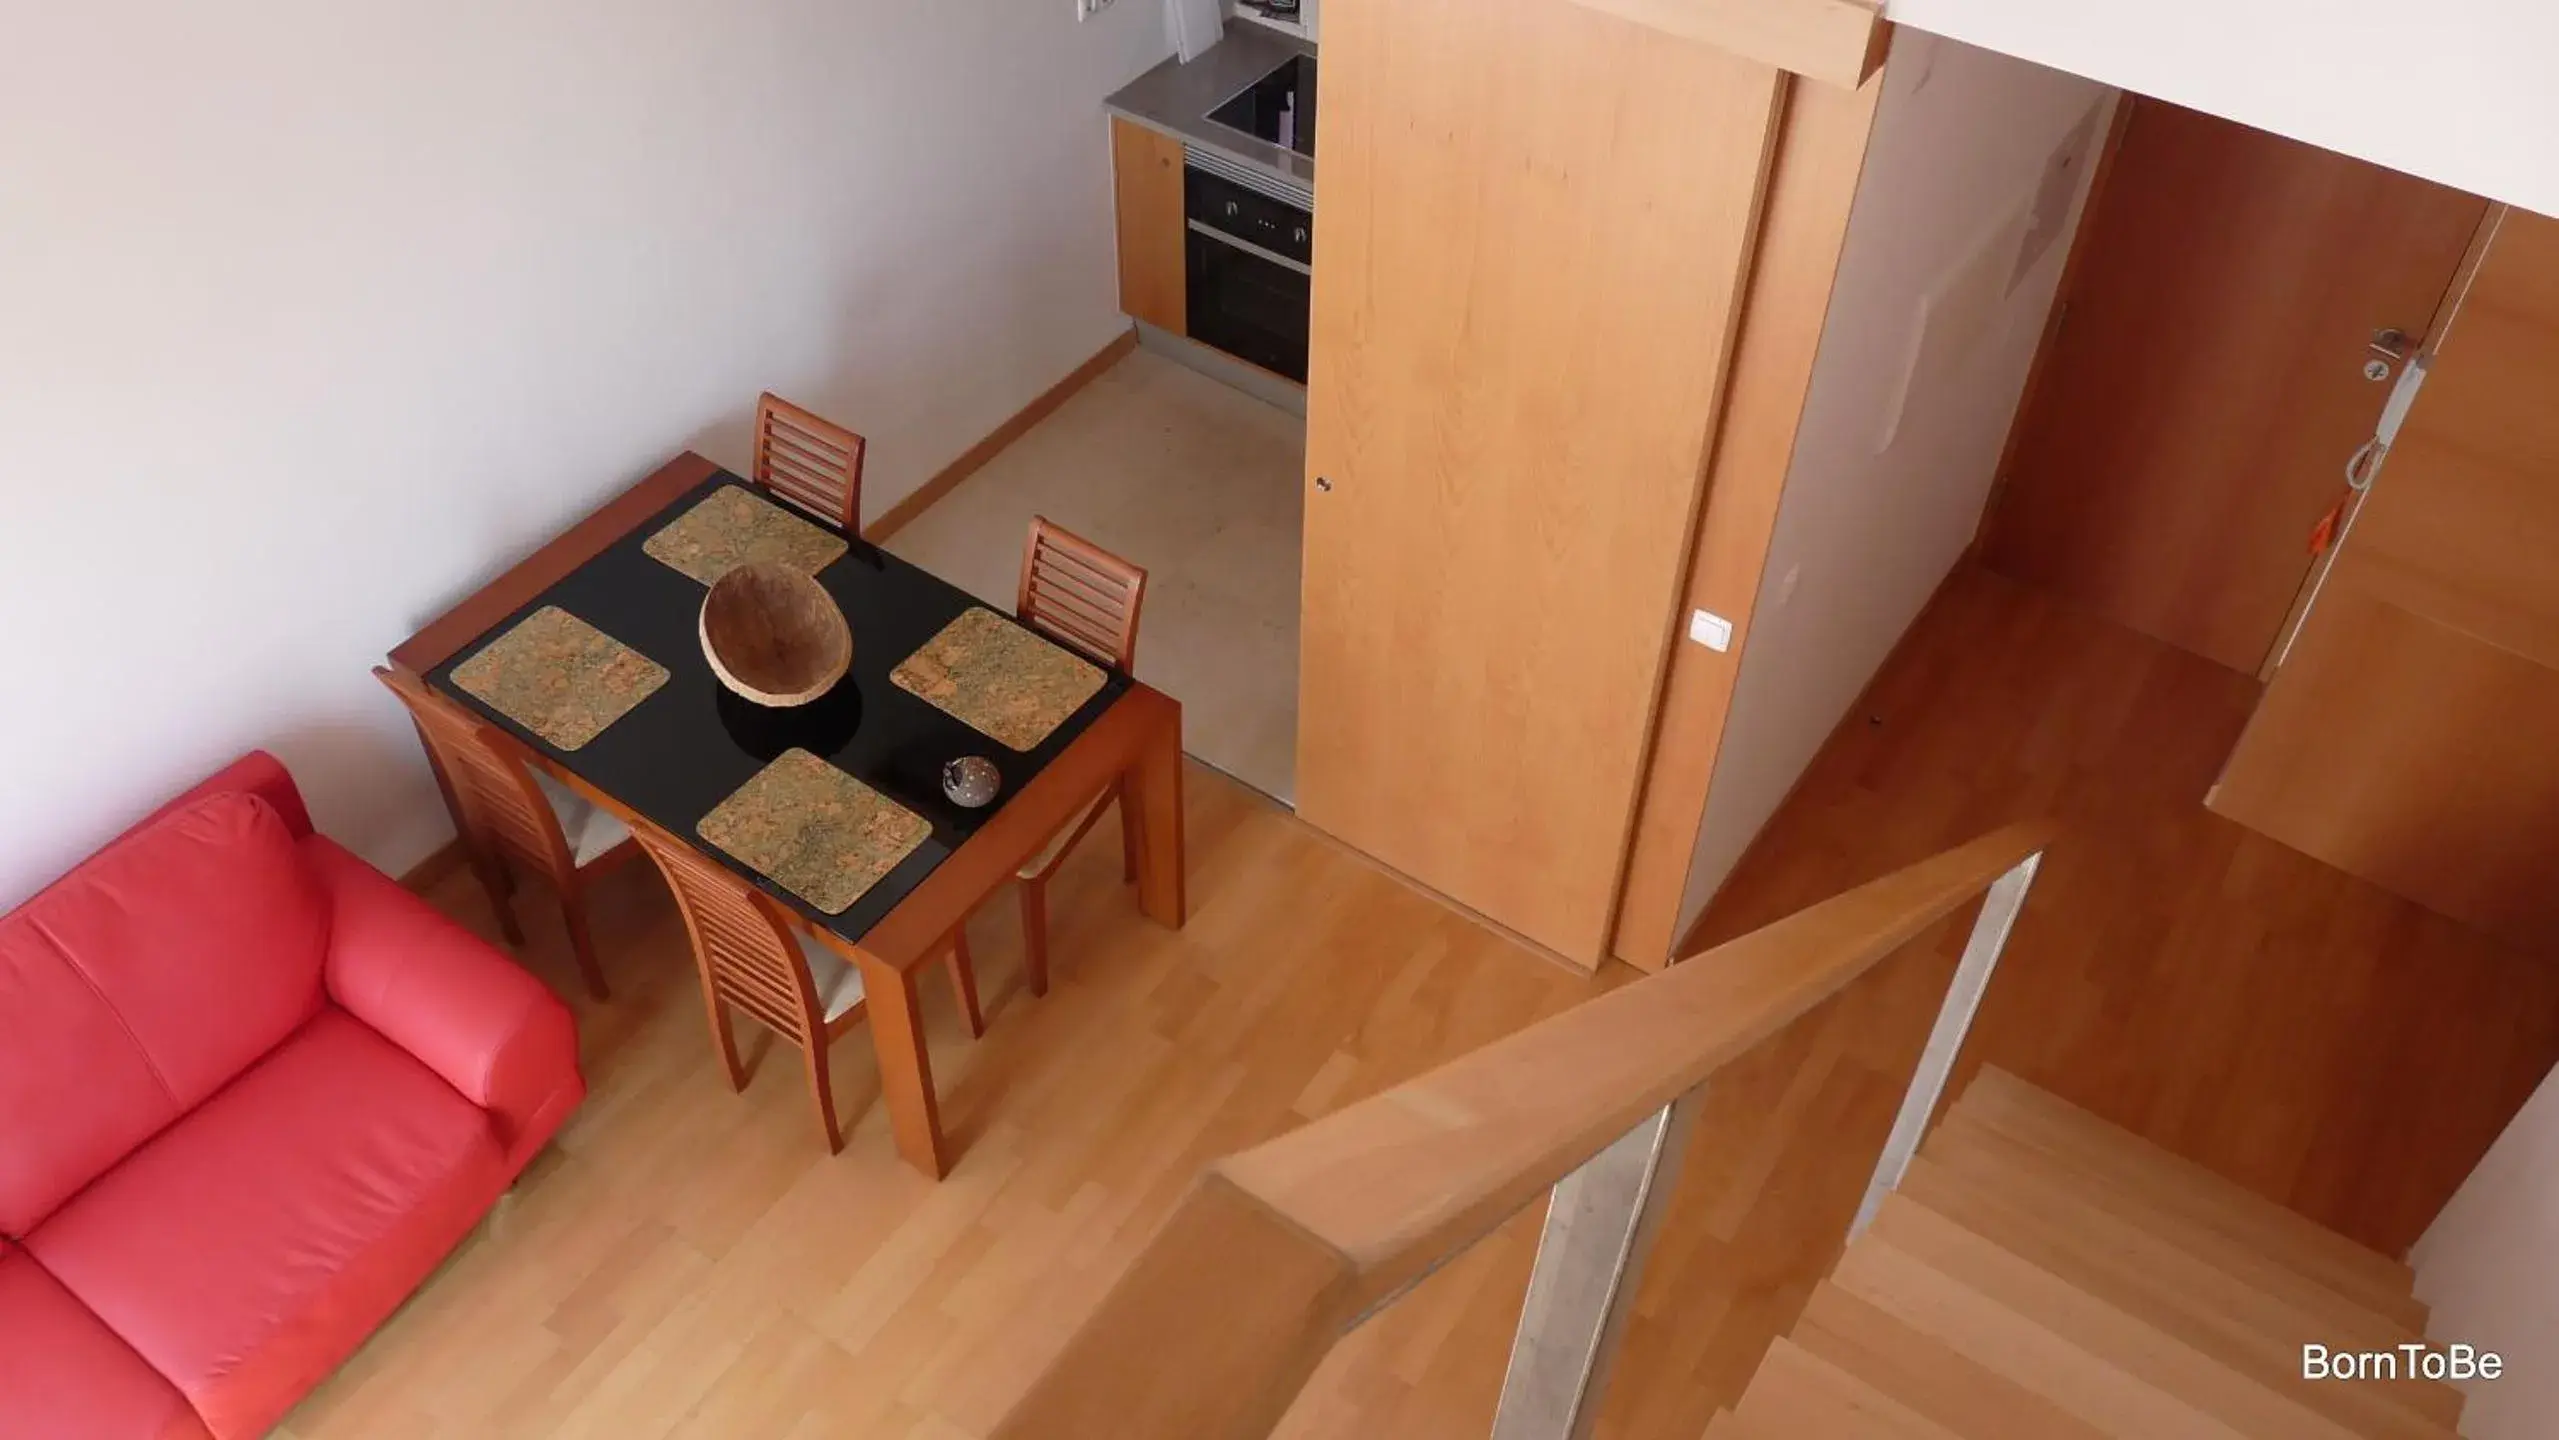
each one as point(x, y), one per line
point(1146, 167)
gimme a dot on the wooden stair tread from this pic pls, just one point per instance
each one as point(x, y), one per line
point(2090, 1387)
point(1923, 1373)
point(2005, 1103)
point(2005, 1163)
point(2146, 1362)
point(1802, 1396)
point(2211, 1309)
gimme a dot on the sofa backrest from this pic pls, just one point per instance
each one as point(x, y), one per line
point(134, 987)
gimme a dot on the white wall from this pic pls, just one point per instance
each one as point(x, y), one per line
point(2459, 91)
point(1931, 329)
point(2489, 1270)
point(314, 313)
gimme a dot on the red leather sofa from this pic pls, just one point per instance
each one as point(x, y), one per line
point(251, 1092)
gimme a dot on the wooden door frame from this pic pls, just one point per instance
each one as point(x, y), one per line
point(1820, 144)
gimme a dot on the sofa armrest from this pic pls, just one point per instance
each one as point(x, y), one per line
point(446, 996)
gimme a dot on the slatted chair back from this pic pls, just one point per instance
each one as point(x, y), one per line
point(810, 461)
point(744, 949)
point(1080, 594)
point(499, 800)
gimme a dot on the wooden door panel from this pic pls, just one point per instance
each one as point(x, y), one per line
point(2205, 389)
point(2412, 737)
point(2416, 756)
point(2468, 542)
point(1524, 294)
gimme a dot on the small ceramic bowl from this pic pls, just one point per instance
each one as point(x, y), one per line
point(971, 780)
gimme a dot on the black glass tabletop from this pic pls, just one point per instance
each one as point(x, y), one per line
point(690, 742)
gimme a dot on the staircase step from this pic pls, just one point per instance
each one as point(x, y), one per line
point(1923, 1373)
point(2218, 1313)
point(2006, 1165)
point(2090, 1387)
point(2004, 1103)
point(2105, 1365)
point(1802, 1396)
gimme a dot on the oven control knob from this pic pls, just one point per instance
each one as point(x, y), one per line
point(1299, 234)
point(1231, 209)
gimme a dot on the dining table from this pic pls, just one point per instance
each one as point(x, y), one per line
point(666, 745)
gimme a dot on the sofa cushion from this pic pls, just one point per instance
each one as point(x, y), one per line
point(250, 1247)
point(141, 982)
point(64, 1373)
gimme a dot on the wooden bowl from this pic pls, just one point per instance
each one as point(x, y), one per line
point(774, 635)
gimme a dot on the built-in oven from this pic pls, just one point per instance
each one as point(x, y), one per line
point(1251, 243)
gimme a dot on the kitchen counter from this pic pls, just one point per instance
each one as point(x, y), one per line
point(1175, 98)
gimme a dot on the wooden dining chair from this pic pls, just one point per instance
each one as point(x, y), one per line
point(809, 461)
point(753, 960)
point(1085, 598)
point(514, 817)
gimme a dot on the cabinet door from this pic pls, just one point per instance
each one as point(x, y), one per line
point(1146, 166)
point(1525, 286)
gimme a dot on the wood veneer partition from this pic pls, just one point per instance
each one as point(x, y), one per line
point(1516, 355)
point(1532, 284)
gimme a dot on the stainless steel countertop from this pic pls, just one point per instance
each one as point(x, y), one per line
point(1175, 98)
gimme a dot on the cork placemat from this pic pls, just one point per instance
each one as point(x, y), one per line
point(559, 677)
point(999, 679)
point(731, 527)
point(814, 830)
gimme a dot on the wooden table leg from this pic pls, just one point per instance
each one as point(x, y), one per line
point(1152, 804)
point(906, 1070)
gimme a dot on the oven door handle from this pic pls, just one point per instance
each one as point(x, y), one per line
point(1199, 227)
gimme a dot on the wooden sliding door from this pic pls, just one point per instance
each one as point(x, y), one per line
point(2412, 735)
point(1532, 222)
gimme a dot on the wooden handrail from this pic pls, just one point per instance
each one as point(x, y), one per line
point(1277, 1250)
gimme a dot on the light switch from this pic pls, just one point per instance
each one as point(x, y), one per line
point(1710, 630)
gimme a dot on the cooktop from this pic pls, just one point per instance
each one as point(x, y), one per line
point(1278, 109)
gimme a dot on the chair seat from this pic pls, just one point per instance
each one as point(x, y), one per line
point(591, 829)
point(1039, 863)
point(839, 985)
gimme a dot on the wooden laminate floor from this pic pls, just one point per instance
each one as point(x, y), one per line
point(691, 1263)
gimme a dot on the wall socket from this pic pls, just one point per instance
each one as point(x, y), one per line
point(1087, 9)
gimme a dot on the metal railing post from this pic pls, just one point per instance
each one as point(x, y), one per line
point(1999, 907)
point(1600, 1224)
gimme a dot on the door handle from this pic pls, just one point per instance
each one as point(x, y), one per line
point(2388, 347)
point(1322, 483)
